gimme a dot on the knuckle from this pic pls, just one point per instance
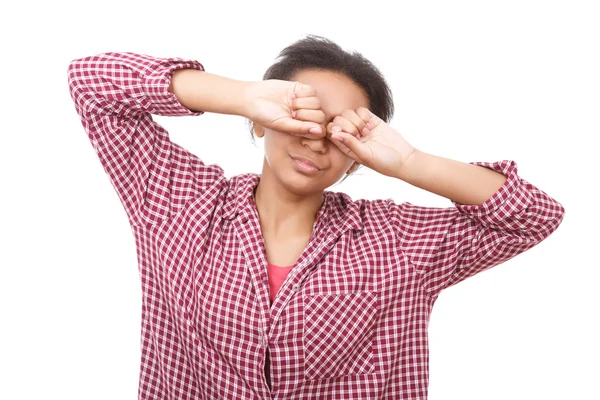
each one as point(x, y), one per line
point(365, 114)
point(347, 113)
point(339, 120)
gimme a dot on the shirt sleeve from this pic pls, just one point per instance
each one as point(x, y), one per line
point(115, 95)
point(448, 245)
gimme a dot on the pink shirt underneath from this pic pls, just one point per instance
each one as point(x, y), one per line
point(277, 275)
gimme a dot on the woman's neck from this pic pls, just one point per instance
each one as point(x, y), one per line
point(283, 213)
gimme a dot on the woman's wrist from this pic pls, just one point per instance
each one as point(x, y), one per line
point(248, 93)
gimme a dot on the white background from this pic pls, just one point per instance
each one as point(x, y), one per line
point(473, 80)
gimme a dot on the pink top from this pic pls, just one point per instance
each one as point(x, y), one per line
point(277, 275)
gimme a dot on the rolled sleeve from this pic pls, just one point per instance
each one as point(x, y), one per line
point(448, 245)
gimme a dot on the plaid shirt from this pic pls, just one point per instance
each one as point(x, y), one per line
point(350, 320)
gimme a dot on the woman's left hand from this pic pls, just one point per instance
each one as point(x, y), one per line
point(368, 140)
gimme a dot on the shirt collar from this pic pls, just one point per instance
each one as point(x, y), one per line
point(339, 212)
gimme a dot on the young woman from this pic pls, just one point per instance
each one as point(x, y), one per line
point(269, 286)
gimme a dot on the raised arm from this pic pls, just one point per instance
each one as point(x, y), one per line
point(496, 215)
point(271, 104)
point(115, 95)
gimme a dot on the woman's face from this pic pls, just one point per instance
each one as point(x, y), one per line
point(337, 93)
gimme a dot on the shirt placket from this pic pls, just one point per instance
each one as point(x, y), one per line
point(248, 229)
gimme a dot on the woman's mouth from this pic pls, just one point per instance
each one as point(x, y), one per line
point(305, 165)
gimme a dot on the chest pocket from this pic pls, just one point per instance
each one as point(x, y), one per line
point(338, 334)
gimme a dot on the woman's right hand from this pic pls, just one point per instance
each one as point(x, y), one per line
point(287, 107)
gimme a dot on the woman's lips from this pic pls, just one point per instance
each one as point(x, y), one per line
point(306, 165)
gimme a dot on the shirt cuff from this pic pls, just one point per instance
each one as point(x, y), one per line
point(510, 199)
point(157, 82)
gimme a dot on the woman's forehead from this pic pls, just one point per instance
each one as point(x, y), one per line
point(336, 91)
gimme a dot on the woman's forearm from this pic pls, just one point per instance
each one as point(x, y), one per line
point(203, 91)
point(460, 182)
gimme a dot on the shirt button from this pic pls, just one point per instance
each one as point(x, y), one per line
point(295, 288)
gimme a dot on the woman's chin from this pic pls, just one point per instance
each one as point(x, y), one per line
point(299, 184)
point(305, 185)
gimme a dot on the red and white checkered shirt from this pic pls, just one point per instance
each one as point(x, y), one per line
point(349, 322)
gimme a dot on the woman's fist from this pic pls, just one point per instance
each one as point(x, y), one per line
point(368, 140)
point(284, 106)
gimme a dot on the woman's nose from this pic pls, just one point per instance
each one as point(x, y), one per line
point(317, 145)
